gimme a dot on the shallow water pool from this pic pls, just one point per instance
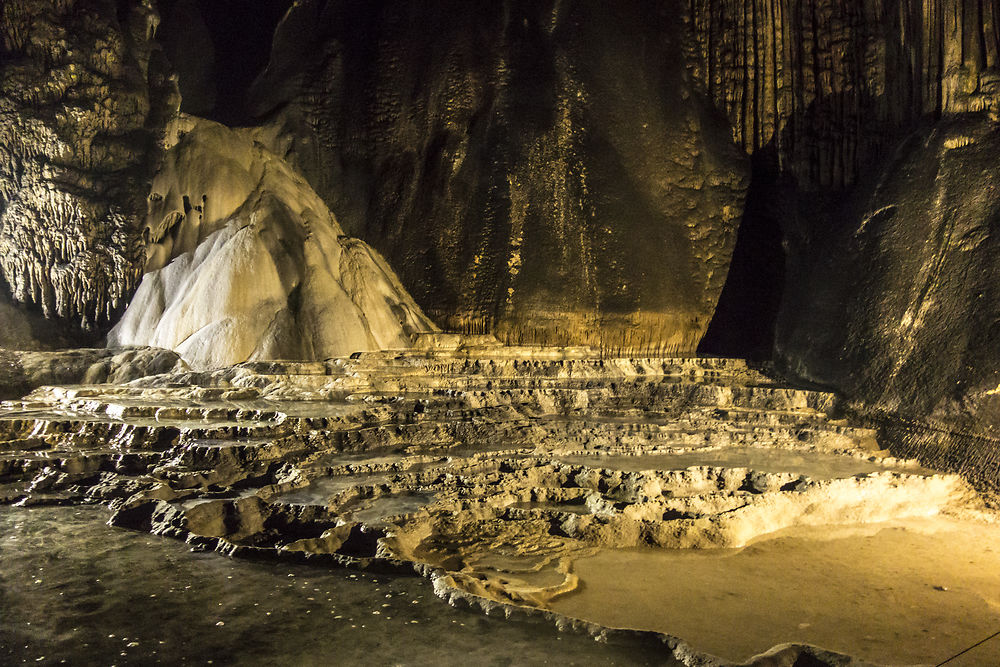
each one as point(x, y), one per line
point(75, 591)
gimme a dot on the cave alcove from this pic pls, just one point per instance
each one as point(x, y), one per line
point(215, 76)
point(744, 321)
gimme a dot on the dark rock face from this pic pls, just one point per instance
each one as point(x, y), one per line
point(25, 329)
point(895, 299)
point(187, 43)
point(83, 100)
point(543, 171)
point(889, 231)
point(830, 85)
point(217, 48)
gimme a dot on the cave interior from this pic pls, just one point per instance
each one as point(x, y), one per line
point(672, 324)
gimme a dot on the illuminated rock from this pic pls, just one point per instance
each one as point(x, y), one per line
point(543, 481)
point(23, 371)
point(541, 171)
point(245, 262)
point(829, 86)
point(84, 97)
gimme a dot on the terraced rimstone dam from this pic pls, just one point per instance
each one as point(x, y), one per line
point(698, 503)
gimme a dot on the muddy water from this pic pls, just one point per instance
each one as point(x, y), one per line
point(914, 591)
point(75, 591)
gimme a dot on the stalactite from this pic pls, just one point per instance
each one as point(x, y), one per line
point(83, 99)
point(827, 84)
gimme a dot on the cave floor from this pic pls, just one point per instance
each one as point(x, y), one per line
point(699, 499)
point(911, 591)
point(71, 595)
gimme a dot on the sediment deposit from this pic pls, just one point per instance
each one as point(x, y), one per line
point(495, 471)
point(244, 262)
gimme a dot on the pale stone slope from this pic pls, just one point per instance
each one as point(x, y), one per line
point(245, 262)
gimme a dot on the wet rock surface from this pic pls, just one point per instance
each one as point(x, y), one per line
point(914, 591)
point(70, 594)
point(895, 301)
point(22, 371)
point(491, 470)
point(544, 171)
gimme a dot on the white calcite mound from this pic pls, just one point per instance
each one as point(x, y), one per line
point(245, 262)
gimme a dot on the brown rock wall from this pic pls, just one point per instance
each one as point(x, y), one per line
point(83, 100)
point(543, 171)
point(830, 84)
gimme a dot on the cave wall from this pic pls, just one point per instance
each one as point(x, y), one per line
point(217, 48)
point(187, 45)
point(84, 96)
point(875, 122)
point(904, 281)
point(541, 170)
point(895, 300)
point(831, 85)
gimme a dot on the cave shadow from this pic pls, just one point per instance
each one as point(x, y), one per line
point(241, 33)
point(747, 311)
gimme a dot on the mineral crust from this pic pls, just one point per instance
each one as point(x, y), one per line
point(493, 470)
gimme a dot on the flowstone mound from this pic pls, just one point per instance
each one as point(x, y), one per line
point(528, 480)
point(245, 262)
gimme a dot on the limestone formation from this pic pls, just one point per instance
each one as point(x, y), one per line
point(22, 371)
point(557, 183)
point(24, 329)
point(245, 262)
point(500, 473)
point(872, 126)
point(907, 270)
point(84, 96)
point(539, 170)
point(828, 86)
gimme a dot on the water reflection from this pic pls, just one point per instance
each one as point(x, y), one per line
point(74, 591)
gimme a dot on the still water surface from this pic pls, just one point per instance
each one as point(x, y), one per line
point(76, 591)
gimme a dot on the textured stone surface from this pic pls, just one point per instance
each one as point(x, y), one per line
point(895, 299)
point(23, 371)
point(541, 170)
point(245, 262)
point(829, 85)
point(888, 235)
point(84, 97)
point(496, 471)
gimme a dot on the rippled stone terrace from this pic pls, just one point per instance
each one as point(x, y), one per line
point(494, 471)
